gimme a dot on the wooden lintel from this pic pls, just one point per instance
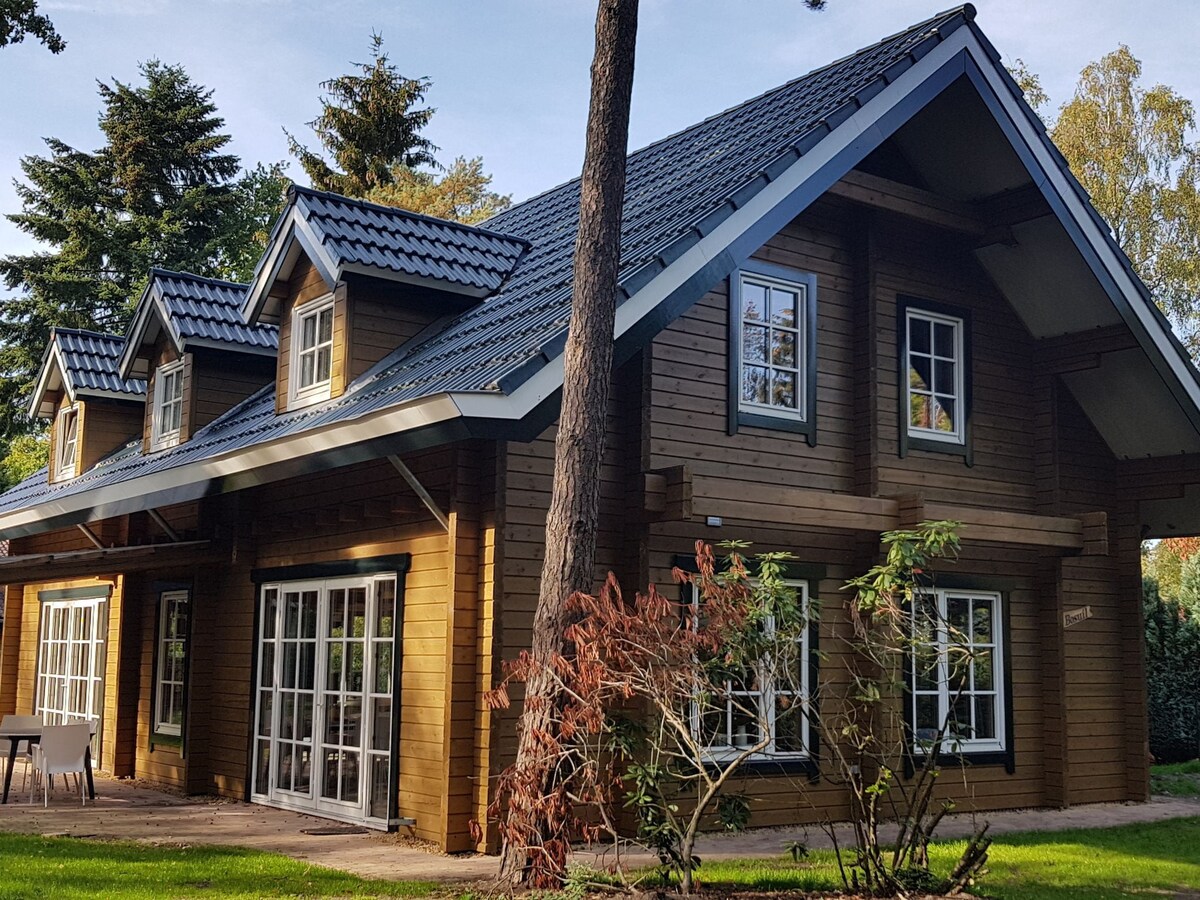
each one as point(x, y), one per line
point(772, 505)
point(913, 202)
point(667, 494)
point(1013, 207)
point(1081, 350)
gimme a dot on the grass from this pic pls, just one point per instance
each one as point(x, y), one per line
point(32, 866)
point(1176, 779)
point(1159, 859)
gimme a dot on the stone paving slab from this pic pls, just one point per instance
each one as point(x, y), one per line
point(131, 811)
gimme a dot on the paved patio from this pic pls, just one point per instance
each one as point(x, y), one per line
point(130, 811)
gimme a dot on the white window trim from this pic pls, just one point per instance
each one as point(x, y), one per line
point(299, 397)
point(800, 413)
point(159, 439)
point(65, 468)
point(766, 699)
point(999, 690)
point(165, 601)
point(958, 436)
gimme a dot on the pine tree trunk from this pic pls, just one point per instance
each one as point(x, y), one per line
point(572, 519)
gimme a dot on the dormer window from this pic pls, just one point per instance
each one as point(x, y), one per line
point(168, 405)
point(312, 351)
point(68, 441)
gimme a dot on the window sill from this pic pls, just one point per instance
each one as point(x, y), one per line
point(792, 424)
point(767, 767)
point(165, 740)
point(932, 445)
point(310, 399)
point(165, 443)
point(966, 758)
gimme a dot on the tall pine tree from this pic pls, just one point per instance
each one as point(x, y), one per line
point(160, 192)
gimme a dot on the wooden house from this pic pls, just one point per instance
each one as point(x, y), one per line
point(290, 529)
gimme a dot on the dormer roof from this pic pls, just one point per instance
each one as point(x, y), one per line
point(194, 311)
point(84, 364)
point(342, 236)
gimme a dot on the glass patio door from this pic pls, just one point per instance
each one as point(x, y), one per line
point(323, 729)
point(70, 672)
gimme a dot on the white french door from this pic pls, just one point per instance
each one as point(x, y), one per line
point(70, 674)
point(323, 716)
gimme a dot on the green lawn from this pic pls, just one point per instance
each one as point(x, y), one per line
point(1160, 859)
point(1176, 779)
point(32, 867)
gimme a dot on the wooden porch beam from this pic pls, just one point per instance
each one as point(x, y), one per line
point(419, 490)
point(915, 203)
point(773, 505)
point(1081, 350)
point(668, 494)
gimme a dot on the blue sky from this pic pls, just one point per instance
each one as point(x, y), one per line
point(511, 76)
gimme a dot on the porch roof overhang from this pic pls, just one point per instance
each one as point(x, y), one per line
point(31, 567)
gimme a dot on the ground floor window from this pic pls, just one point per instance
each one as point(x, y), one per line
point(325, 718)
point(172, 656)
point(70, 673)
point(734, 715)
point(956, 670)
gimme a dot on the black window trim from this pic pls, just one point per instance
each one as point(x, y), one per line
point(737, 416)
point(908, 442)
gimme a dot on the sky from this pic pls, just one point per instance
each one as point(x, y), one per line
point(510, 77)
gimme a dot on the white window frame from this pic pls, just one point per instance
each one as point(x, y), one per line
point(167, 642)
point(958, 436)
point(766, 697)
point(65, 463)
point(800, 331)
point(299, 396)
point(951, 743)
point(162, 438)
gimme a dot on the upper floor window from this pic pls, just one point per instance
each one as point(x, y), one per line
point(168, 405)
point(312, 350)
point(172, 654)
point(957, 673)
point(68, 441)
point(773, 348)
point(765, 706)
point(936, 375)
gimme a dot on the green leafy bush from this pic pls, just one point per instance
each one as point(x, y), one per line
point(1172, 676)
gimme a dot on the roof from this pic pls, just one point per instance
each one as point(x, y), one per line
point(196, 311)
point(83, 363)
point(342, 235)
point(697, 203)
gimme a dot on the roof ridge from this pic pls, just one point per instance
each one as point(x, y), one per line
point(401, 211)
point(63, 329)
point(966, 10)
point(192, 276)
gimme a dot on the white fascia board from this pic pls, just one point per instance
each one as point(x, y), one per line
point(549, 378)
point(1100, 240)
point(50, 358)
point(240, 463)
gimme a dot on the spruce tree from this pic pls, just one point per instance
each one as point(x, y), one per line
point(160, 192)
point(370, 122)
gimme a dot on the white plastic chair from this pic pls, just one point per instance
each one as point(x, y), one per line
point(62, 750)
point(23, 723)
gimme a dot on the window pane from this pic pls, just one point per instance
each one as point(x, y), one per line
point(984, 679)
point(324, 361)
point(944, 412)
point(926, 723)
point(918, 373)
point(920, 407)
point(754, 301)
point(918, 335)
point(754, 343)
point(306, 370)
point(943, 378)
point(783, 389)
point(754, 384)
point(783, 307)
point(789, 726)
point(783, 348)
point(943, 339)
point(982, 621)
point(985, 717)
point(308, 332)
point(956, 618)
point(326, 330)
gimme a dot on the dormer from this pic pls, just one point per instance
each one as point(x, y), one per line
point(349, 282)
point(92, 410)
point(198, 356)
